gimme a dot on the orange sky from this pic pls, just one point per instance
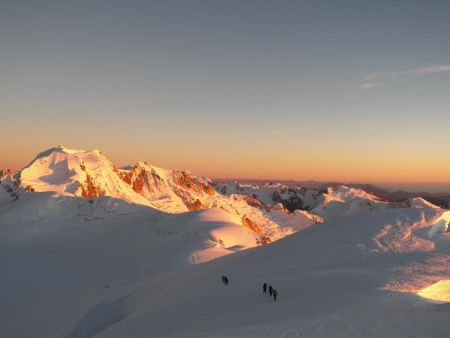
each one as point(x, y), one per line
point(368, 162)
point(351, 93)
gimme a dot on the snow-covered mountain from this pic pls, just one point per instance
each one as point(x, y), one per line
point(344, 201)
point(335, 201)
point(298, 198)
point(417, 202)
point(73, 172)
point(271, 210)
point(89, 174)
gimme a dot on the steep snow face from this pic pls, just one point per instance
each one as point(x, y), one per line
point(77, 173)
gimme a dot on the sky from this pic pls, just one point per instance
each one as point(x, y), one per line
point(310, 90)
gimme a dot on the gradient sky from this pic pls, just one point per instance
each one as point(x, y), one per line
point(323, 90)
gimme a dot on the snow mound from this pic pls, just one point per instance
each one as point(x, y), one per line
point(227, 235)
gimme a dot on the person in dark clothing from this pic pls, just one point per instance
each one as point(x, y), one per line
point(270, 290)
point(265, 288)
point(225, 280)
point(275, 294)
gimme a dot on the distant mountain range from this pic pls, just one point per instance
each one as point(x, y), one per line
point(439, 199)
point(270, 209)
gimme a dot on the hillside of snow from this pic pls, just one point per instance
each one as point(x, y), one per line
point(78, 267)
point(62, 254)
point(354, 276)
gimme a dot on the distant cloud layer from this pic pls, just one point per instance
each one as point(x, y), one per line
point(377, 79)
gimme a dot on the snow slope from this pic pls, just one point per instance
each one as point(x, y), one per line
point(61, 254)
point(354, 276)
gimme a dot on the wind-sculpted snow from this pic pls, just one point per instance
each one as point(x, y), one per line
point(404, 238)
point(401, 237)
